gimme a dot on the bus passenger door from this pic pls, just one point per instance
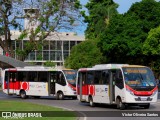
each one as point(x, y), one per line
point(11, 82)
point(112, 86)
point(82, 87)
point(52, 82)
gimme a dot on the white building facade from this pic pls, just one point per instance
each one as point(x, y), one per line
point(56, 47)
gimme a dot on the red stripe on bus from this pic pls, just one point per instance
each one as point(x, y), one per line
point(83, 69)
point(141, 93)
point(12, 85)
point(12, 70)
point(74, 88)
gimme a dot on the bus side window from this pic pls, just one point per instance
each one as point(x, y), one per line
point(53, 77)
point(90, 77)
point(42, 76)
point(119, 79)
point(105, 77)
point(98, 78)
point(20, 76)
point(6, 76)
point(12, 76)
point(82, 77)
point(61, 79)
point(32, 76)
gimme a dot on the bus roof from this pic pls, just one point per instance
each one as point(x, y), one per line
point(35, 68)
point(109, 66)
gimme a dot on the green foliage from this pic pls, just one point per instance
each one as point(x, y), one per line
point(39, 56)
point(49, 64)
point(132, 37)
point(152, 44)
point(122, 40)
point(23, 35)
point(151, 48)
point(100, 12)
point(85, 54)
point(18, 106)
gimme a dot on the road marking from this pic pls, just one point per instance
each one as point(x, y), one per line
point(85, 117)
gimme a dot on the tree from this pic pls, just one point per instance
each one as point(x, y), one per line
point(49, 64)
point(53, 15)
point(151, 45)
point(123, 39)
point(151, 48)
point(100, 12)
point(85, 54)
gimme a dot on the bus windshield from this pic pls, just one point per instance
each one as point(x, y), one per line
point(71, 76)
point(139, 77)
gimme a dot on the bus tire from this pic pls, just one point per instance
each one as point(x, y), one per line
point(60, 96)
point(120, 105)
point(91, 103)
point(23, 94)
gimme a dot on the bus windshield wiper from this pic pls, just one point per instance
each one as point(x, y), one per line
point(142, 80)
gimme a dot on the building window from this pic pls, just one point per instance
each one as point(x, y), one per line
point(65, 54)
point(52, 45)
point(27, 58)
point(45, 55)
point(65, 45)
point(78, 42)
point(39, 55)
point(13, 44)
point(32, 56)
point(19, 44)
point(24, 44)
point(72, 43)
point(45, 45)
point(59, 43)
point(52, 55)
point(58, 55)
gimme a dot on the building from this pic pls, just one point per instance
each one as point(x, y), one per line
point(56, 47)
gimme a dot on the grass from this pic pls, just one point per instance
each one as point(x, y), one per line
point(21, 107)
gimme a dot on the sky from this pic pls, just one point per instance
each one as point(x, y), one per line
point(124, 5)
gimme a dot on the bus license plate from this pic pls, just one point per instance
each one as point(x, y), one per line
point(143, 98)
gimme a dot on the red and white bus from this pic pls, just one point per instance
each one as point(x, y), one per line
point(119, 84)
point(40, 81)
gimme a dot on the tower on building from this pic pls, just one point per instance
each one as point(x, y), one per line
point(31, 18)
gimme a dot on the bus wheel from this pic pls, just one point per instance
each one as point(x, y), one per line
point(91, 103)
point(120, 105)
point(23, 94)
point(60, 96)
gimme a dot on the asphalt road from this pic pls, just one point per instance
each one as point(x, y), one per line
point(86, 112)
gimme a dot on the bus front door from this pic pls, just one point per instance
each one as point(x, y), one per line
point(11, 82)
point(83, 89)
point(112, 87)
point(52, 82)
